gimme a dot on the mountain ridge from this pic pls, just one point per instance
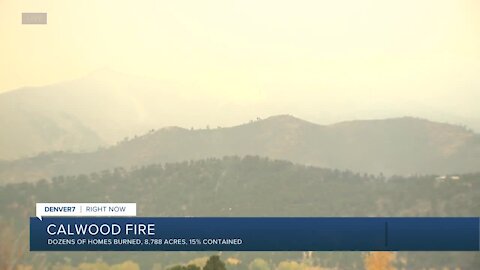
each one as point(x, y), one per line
point(105, 106)
point(403, 146)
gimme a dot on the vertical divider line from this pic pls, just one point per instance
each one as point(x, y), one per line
point(386, 233)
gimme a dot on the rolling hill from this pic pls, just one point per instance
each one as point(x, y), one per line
point(404, 146)
point(105, 106)
point(253, 186)
point(90, 112)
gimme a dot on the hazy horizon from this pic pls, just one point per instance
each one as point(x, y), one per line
point(322, 61)
point(246, 110)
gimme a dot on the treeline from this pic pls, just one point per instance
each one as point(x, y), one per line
point(254, 186)
point(372, 261)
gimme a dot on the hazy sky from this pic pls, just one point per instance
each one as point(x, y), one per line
point(352, 55)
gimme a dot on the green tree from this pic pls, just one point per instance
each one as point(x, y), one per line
point(183, 267)
point(177, 267)
point(192, 267)
point(214, 263)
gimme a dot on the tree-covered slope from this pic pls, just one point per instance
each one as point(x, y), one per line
point(254, 186)
point(404, 146)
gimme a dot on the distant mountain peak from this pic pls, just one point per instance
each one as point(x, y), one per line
point(285, 119)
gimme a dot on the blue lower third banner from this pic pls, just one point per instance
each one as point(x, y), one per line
point(254, 234)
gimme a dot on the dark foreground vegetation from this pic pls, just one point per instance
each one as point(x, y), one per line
point(233, 186)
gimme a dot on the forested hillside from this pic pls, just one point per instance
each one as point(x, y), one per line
point(406, 146)
point(254, 186)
